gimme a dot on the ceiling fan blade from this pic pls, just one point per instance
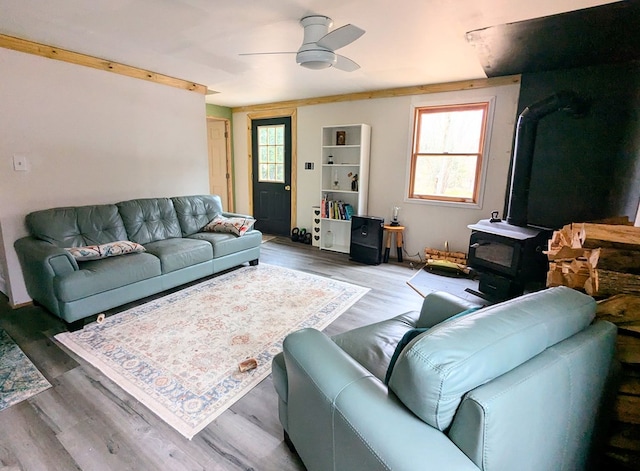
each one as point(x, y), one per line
point(340, 37)
point(346, 64)
point(264, 53)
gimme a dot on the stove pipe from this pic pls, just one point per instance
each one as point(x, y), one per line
point(524, 146)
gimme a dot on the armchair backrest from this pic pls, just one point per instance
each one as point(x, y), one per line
point(489, 377)
point(436, 369)
point(545, 410)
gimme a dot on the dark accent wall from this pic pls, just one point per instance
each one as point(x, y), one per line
point(588, 168)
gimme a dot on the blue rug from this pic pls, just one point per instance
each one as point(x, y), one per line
point(19, 378)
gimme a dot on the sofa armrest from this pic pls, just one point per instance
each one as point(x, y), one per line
point(439, 306)
point(54, 260)
point(41, 262)
point(341, 417)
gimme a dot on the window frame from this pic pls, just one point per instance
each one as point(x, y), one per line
point(486, 103)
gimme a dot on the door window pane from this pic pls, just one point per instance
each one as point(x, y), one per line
point(271, 153)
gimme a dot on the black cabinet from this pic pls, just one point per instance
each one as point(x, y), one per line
point(366, 239)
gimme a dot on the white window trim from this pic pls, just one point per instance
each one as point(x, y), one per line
point(486, 155)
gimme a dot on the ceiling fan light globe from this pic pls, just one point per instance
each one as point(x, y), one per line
point(315, 65)
point(316, 59)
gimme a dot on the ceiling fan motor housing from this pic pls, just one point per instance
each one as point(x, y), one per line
point(310, 55)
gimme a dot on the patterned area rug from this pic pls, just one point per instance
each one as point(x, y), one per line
point(19, 378)
point(179, 355)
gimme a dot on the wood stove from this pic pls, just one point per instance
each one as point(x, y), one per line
point(507, 257)
point(508, 254)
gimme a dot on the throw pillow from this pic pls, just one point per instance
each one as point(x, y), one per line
point(410, 335)
point(234, 225)
point(111, 249)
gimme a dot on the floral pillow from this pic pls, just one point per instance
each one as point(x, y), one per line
point(235, 225)
point(96, 252)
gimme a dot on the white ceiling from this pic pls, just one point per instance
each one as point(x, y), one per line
point(407, 42)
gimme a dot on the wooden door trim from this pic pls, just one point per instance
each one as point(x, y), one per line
point(231, 205)
point(283, 113)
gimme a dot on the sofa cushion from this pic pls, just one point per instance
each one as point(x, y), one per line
point(227, 244)
point(77, 226)
point(412, 334)
point(195, 212)
point(232, 225)
point(178, 253)
point(373, 345)
point(111, 249)
point(437, 368)
point(148, 220)
point(98, 276)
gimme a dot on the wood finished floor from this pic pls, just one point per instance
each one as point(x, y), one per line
point(87, 422)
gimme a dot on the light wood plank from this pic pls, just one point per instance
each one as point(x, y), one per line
point(388, 93)
point(52, 52)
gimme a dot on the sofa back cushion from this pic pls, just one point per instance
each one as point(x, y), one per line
point(149, 219)
point(545, 410)
point(437, 368)
point(195, 212)
point(77, 226)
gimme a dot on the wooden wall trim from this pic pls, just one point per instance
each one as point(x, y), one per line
point(30, 47)
point(389, 93)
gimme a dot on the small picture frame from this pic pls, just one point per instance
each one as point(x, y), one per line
point(341, 138)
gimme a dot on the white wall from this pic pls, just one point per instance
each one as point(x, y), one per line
point(427, 225)
point(89, 137)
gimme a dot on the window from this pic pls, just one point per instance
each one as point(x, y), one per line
point(271, 153)
point(447, 152)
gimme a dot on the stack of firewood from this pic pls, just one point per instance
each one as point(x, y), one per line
point(601, 259)
point(604, 261)
point(623, 443)
point(455, 257)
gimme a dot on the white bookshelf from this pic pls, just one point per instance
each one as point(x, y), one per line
point(352, 157)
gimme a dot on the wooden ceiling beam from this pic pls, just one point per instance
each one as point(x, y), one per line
point(51, 52)
point(388, 93)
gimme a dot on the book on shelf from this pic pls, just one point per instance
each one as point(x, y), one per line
point(331, 209)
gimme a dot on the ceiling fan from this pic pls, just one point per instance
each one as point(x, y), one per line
point(319, 45)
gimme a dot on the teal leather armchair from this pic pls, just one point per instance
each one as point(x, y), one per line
point(517, 385)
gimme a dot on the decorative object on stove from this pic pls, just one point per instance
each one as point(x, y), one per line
point(394, 215)
point(509, 254)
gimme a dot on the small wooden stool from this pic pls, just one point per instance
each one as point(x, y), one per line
point(398, 231)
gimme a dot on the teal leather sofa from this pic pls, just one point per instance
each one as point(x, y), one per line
point(169, 229)
point(515, 386)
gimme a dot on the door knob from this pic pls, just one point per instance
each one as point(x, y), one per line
point(288, 187)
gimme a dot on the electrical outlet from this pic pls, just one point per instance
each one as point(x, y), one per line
point(308, 165)
point(19, 163)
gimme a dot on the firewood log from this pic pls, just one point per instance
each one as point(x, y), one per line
point(604, 283)
point(627, 409)
point(607, 235)
point(621, 260)
point(628, 349)
point(620, 309)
